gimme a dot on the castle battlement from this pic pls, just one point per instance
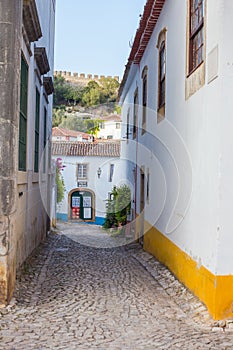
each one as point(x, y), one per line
point(82, 78)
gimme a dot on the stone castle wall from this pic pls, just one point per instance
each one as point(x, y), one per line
point(82, 78)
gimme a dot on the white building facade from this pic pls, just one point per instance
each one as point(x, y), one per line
point(91, 170)
point(110, 128)
point(176, 107)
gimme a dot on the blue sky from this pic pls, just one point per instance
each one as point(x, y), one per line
point(93, 36)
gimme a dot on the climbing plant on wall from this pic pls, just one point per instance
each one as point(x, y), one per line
point(59, 180)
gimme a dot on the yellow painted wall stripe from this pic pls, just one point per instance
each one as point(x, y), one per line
point(216, 292)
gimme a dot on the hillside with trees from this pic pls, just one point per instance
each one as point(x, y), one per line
point(77, 107)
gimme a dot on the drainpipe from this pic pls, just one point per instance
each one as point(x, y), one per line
point(136, 174)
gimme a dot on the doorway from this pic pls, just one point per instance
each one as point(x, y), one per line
point(82, 205)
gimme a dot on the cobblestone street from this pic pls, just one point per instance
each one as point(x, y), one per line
point(78, 291)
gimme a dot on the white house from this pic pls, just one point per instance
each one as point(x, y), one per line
point(61, 134)
point(176, 98)
point(91, 171)
point(26, 87)
point(110, 127)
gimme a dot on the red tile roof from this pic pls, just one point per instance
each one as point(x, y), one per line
point(87, 149)
point(149, 19)
point(57, 131)
point(112, 118)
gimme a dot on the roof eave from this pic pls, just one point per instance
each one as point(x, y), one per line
point(151, 13)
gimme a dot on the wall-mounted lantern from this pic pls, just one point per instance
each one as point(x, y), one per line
point(99, 171)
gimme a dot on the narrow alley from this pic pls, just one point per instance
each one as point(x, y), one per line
point(78, 290)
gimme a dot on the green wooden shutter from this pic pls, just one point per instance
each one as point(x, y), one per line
point(23, 116)
point(37, 133)
point(45, 139)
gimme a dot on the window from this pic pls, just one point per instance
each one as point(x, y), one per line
point(82, 171)
point(127, 126)
point(118, 125)
point(49, 149)
point(196, 35)
point(111, 171)
point(110, 196)
point(161, 46)
point(109, 137)
point(23, 116)
point(144, 98)
point(162, 74)
point(37, 133)
point(148, 187)
point(102, 125)
point(45, 139)
point(135, 114)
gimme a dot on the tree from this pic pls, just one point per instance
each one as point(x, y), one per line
point(59, 90)
point(74, 93)
point(66, 93)
point(92, 94)
point(88, 125)
point(123, 204)
point(118, 109)
point(110, 88)
point(92, 126)
point(118, 207)
point(110, 219)
point(58, 115)
point(92, 97)
point(74, 123)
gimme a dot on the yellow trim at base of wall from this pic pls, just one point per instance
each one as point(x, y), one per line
point(216, 292)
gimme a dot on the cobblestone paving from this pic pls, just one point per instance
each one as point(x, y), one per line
point(77, 296)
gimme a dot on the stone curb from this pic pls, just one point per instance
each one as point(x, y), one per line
point(187, 302)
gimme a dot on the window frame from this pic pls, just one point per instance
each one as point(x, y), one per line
point(144, 97)
point(37, 131)
point(162, 78)
point(135, 114)
point(111, 171)
point(45, 140)
point(162, 75)
point(83, 175)
point(193, 34)
point(127, 126)
point(23, 115)
point(148, 186)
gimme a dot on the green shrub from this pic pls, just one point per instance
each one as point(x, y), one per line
point(118, 207)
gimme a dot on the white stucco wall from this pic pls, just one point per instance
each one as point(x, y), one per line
point(188, 153)
point(225, 229)
point(110, 129)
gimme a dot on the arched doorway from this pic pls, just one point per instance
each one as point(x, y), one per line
point(81, 205)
